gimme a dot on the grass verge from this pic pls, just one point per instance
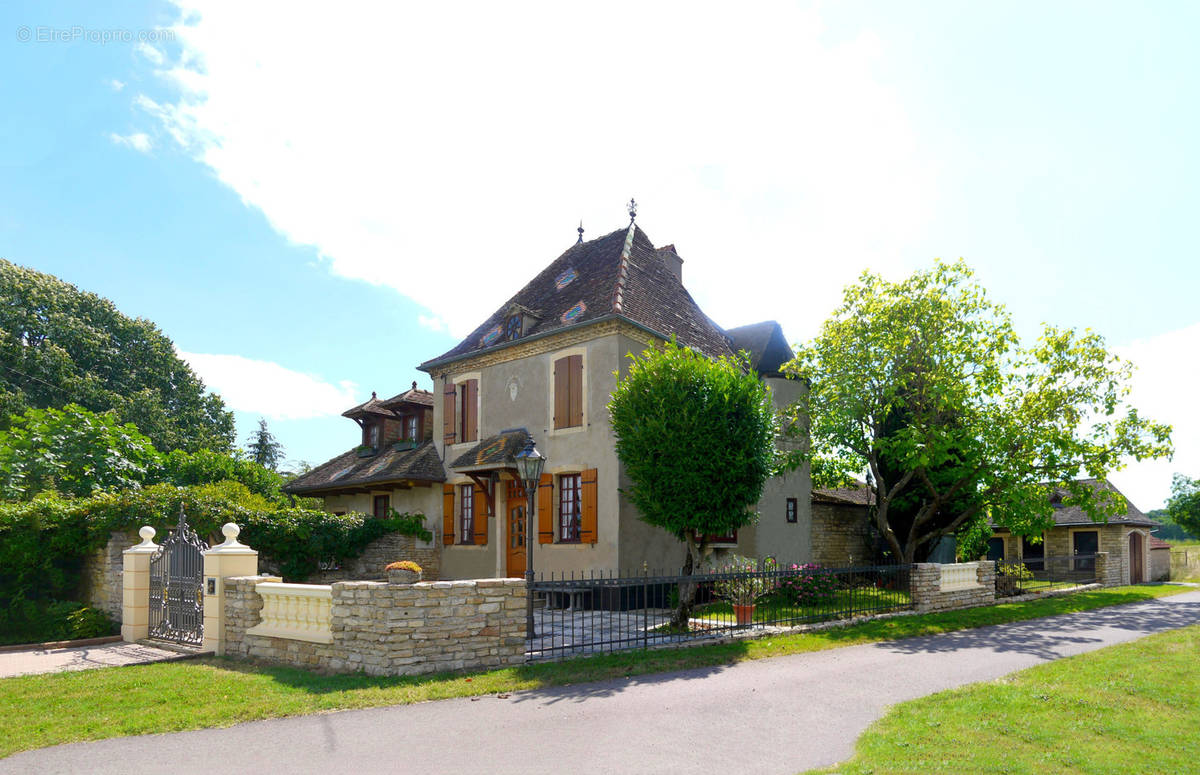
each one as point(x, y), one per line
point(1123, 709)
point(43, 710)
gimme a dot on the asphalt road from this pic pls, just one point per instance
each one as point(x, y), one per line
point(765, 716)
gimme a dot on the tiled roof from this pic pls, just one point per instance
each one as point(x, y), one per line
point(371, 406)
point(617, 274)
point(413, 396)
point(1158, 543)
point(857, 494)
point(766, 344)
point(396, 462)
point(496, 450)
point(1074, 515)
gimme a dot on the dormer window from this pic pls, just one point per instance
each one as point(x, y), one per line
point(371, 436)
point(410, 427)
point(512, 329)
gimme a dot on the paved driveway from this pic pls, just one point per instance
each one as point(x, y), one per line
point(80, 658)
point(777, 715)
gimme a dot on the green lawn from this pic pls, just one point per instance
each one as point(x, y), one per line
point(38, 711)
point(1131, 708)
point(864, 600)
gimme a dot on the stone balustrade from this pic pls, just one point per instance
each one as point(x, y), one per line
point(966, 584)
point(961, 575)
point(295, 611)
point(382, 628)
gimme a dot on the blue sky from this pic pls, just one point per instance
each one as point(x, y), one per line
point(311, 206)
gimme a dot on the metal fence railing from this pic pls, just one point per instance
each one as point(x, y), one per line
point(1044, 573)
point(605, 612)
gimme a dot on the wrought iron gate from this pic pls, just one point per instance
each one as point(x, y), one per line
point(177, 586)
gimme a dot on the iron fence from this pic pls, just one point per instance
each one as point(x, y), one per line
point(597, 612)
point(1044, 573)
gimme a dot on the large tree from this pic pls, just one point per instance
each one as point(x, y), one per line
point(60, 345)
point(71, 451)
point(1184, 505)
point(697, 439)
point(263, 448)
point(925, 384)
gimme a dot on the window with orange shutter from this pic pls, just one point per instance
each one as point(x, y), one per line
point(568, 392)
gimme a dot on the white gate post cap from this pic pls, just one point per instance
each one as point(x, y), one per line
point(147, 544)
point(231, 544)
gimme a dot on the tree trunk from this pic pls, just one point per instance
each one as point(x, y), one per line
point(687, 589)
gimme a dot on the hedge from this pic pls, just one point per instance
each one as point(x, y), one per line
point(44, 542)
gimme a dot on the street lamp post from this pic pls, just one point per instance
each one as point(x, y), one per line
point(529, 463)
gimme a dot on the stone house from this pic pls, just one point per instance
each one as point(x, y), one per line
point(543, 366)
point(1125, 537)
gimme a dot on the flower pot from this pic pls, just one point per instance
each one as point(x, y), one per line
point(744, 614)
point(403, 577)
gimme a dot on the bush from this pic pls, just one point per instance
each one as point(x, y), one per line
point(57, 620)
point(749, 582)
point(810, 584)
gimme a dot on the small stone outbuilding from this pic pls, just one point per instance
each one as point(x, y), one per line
point(1125, 537)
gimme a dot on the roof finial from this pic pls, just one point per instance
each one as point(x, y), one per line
point(373, 394)
point(632, 208)
point(580, 230)
point(414, 384)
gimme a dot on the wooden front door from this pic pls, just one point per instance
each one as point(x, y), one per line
point(1135, 558)
point(515, 534)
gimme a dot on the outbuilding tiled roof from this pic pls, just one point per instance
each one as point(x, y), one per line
point(618, 274)
point(1158, 543)
point(395, 463)
point(857, 494)
point(495, 451)
point(1074, 515)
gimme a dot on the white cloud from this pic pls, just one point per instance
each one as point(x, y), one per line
point(139, 141)
point(269, 389)
point(151, 53)
point(116, 85)
point(474, 138)
point(1164, 389)
point(432, 323)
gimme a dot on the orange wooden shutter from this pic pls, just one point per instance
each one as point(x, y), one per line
point(470, 392)
point(447, 514)
point(449, 413)
point(575, 391)
point(481, 515)
point(587, 525)
point(545, 508)
point(562, 391)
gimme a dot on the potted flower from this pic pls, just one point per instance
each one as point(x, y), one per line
point(403, 572)
point(744, 584)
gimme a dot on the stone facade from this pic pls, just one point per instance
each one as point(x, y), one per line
point(390, 548)
point(102, 569)
point(1113, 541)
point(928, 595)
point(841, 536)
point(386, 629)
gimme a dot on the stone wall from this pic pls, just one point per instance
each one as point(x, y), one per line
point(392, 629)
point(841, 536)
point(928, 595)
point(101, 583)
point(390, 548)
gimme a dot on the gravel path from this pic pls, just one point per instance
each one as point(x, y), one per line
point(779, 715)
